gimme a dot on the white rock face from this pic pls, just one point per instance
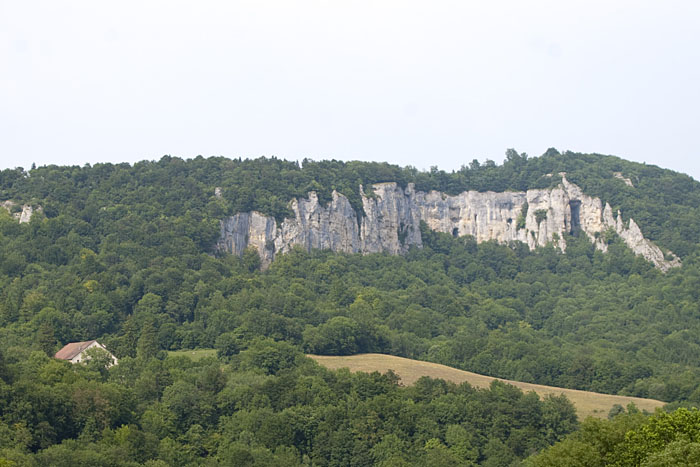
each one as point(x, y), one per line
point(333, 227)
point(24, 216)
point(392, 216)
point(249, 229)
point(391, 223)
point(619, 176)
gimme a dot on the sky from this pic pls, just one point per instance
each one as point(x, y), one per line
point(421, 83)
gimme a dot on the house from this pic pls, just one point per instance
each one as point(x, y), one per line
point(76, 352)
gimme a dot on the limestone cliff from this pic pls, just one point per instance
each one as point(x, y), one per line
point(23, 216)
point(392, 216)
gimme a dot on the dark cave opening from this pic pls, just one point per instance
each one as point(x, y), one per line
point(575, 206)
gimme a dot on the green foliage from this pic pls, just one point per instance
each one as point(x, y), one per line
point(676, 432)
point(125, 254)
point(148, 341)
point(664, 439)
point(540, 215)
point(256, 409)
point(270, 356)
point(520, 221)
point(227, 345)
point(338, 336)
point(251, 259)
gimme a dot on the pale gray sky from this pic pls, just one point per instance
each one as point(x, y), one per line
point(413, 83)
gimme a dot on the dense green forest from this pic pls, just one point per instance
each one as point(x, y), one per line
point(268, 406)
point(629, 438)
point(125, 254)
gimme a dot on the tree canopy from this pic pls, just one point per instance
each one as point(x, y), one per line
point(124, 254)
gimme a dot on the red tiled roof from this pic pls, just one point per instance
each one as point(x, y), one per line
point(69, 351)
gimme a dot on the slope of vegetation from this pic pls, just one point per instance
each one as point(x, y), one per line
point(124, 254)
point(664, 203)
point(268, 406)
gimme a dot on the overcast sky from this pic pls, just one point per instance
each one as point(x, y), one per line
point(413, 83)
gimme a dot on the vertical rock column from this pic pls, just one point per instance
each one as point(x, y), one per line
point(249, 229)
point(389, 224)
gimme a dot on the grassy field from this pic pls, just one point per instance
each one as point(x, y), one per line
point(195, 355)
point(586, 403)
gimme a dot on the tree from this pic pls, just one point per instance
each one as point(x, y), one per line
point(338, 336)
point(251, 259)
point(270, 356)
point(681, 427)
point(148, 341)
point(227, 344)
point(46, 338)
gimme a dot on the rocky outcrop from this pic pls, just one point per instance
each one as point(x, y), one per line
point(619, 176)
point(249, 229)
point(391, 222)
point(392, 216)
point(333, 227)
point(24, 215)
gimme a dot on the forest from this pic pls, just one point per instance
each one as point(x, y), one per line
point(125, 254)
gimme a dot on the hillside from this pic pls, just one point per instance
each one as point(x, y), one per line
point(587, 403)
point(128, 255)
